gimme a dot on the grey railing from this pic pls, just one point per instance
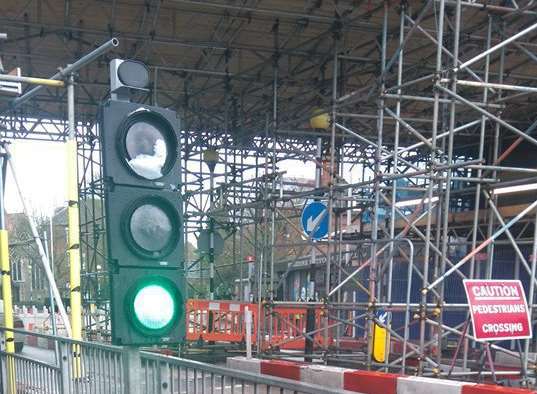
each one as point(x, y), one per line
point(86, 367)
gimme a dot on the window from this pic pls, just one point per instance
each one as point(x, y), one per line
point(38, 277)
point(16, 271)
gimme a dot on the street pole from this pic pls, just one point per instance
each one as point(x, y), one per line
point(6, 286)
point(211, 239)
point(51, 262)
point(51, 295)
point(73, 241)
point(210, 157)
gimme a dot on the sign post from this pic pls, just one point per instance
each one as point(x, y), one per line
point(498, 309)
point(248, 322)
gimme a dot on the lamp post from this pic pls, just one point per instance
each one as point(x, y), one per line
point(210, 157)
point(9, 384)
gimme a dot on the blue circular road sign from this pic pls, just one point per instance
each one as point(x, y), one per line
point(315, 220)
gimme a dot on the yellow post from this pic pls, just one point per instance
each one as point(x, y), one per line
point(73, 241)
point(8, 310)
point(31, 80)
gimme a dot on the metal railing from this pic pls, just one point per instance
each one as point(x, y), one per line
point(34, 376)
point(86, 367)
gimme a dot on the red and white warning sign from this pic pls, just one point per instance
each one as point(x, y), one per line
point(498, 309)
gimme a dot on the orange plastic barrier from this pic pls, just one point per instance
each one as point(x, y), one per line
point(288, 325)
point(227, 324)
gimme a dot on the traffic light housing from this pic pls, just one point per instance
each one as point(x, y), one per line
point(141, 166)
point(147, 306)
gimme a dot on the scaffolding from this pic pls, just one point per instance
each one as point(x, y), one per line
point(433, 105)
point(439, 132)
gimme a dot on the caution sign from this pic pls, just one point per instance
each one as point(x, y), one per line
point(498, 309)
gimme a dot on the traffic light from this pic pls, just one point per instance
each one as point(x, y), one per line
point(140, 149)
point(147, 307)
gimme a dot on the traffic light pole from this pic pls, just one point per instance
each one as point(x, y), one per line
point(69, 70)
point(6, 284)
point(73, 242)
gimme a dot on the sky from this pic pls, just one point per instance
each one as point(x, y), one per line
point(40, 169)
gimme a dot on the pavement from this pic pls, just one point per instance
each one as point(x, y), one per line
point(35, 353)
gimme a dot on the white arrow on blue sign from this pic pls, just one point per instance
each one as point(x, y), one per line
point(315, 220)
point(382, 316)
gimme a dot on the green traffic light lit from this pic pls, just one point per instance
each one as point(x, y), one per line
point(154, 305)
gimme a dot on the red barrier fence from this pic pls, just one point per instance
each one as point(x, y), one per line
point(227, 323)
point(224, 321)
point(289, 324)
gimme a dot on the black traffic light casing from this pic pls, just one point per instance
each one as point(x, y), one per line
point(144, 223)
point(125, 329)
point(122, 202)
point(118, 117)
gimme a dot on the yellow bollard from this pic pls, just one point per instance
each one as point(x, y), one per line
point(8, 310)
point(381, 340)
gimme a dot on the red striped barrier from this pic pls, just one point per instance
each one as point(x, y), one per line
point(281, 369)
point(252, 365)
point(323, 375)
point(418, 384)
point(365, 382)
point(370, 382)
point(493, 389)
